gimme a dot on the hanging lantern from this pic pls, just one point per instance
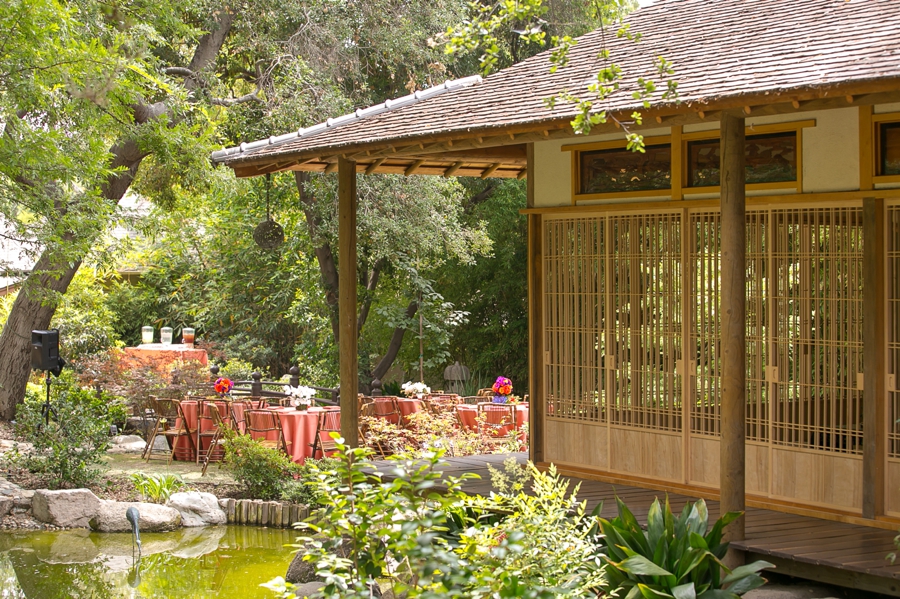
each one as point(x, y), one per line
point(268, 234)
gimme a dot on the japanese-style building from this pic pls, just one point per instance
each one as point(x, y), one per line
point(719, 315)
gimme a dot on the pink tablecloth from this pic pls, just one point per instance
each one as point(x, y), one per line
point(190, 408)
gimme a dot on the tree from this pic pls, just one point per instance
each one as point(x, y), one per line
point(80, 108)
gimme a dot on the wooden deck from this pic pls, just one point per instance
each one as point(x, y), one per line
point(831, 552)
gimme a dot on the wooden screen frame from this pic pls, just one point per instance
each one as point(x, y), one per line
point(749, 131)
point(678, 141)
point(876, 121)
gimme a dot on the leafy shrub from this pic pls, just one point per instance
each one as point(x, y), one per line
point(76, 438)
point(550, 541)
point(389, 526)
point(312, 475)
point(156, 488)
point(238, 370)
point(391, 388)
point(674, 558)
point(262, 471)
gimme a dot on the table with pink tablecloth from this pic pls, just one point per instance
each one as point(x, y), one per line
point(469, 413)
point(190, 409)
point(299, 428)
point(406, 406)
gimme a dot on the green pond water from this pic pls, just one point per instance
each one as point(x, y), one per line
point(225, 562)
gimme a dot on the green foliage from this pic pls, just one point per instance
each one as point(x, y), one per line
point(676, 558)
point(262, 471)
point(156, 488)
point(493, 292)
point(550, 544)
point(85, 322)
point(238, 370)
point(69, 448)
point(306, 488)
point(512, 478)
point(391, 526)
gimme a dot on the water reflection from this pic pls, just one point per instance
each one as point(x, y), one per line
point(215, 562)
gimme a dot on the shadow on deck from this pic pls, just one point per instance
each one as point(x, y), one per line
point(836, 553)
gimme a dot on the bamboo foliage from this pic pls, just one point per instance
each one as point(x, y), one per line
point(618, 349)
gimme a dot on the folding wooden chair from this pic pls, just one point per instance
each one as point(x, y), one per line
point(172, 424)
point(365, 414)
point(497, 422)
point(261, 424)
point(214, 432)
point(388, 408)
point(329, 421)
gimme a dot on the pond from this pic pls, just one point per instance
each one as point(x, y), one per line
point(221, 562)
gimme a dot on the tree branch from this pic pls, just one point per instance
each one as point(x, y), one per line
point(254, 97)
point(394, 346)
point(324, 255)
point(366, 305)
point(178, 72)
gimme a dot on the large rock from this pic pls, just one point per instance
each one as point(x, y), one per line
point(69, 508)
point(197, 509)
point(127, 444)
point(110, 517)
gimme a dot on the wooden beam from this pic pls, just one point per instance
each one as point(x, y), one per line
point(332, 166)
point(866, 148)
point(490, 170)
point(733, 310)
point(452, 169)
point(537, 416)
point(874, 345)
point(522, 174)
point(412, 168)
point(349, 358)
point(371, 167)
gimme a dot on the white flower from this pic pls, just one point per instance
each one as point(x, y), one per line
point(300, 396)
point(411, 389)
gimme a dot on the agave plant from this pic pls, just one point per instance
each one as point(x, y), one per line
point(674, 558)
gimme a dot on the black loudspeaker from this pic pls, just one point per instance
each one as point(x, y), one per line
point(45, 350)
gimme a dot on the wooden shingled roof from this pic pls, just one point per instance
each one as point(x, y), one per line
point(761, 56)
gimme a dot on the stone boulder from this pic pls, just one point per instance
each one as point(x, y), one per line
point(110, 517)
point(127, 444)
point(197, 509)
point(69, 508)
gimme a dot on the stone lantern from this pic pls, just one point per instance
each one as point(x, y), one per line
point(456, 376)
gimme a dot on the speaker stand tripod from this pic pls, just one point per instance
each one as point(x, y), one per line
point(46, 409)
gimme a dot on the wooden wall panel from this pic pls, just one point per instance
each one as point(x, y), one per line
point(705, 465)
point(817, 479)
point(704, 462)
point(578, 444)
point(646, 454)
point(757, 474)
point(892, 488)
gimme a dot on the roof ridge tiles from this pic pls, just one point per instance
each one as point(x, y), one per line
point(352, 117)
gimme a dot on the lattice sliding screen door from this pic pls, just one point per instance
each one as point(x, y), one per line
point(892, 284)
point(633, 327)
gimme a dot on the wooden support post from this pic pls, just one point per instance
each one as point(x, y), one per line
point(535, 320)
point(349, 359)
point(874, 347)
point(734, 331)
